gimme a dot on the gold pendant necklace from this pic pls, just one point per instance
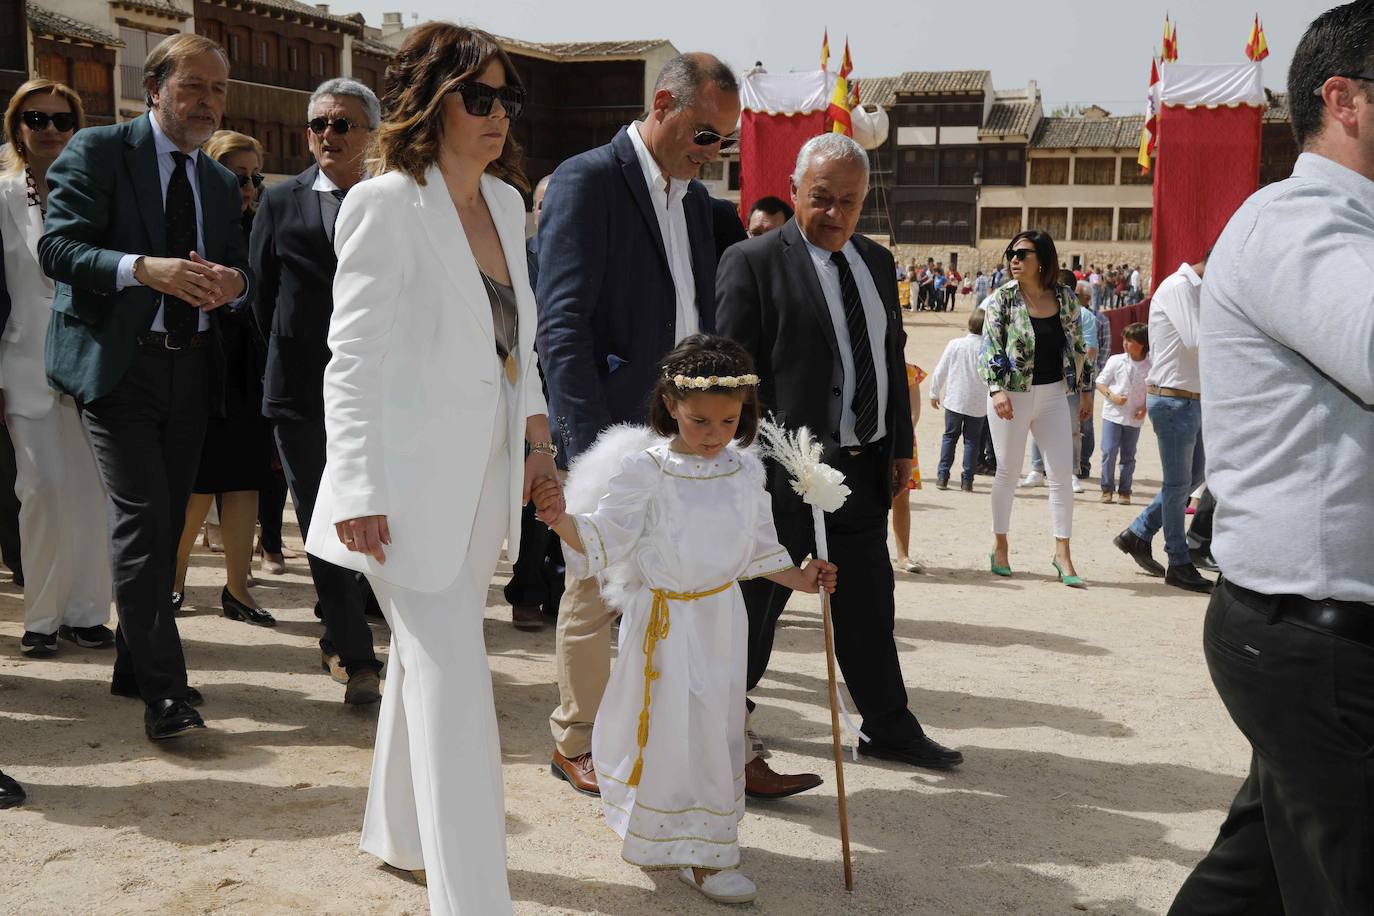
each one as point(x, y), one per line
point(508, 363)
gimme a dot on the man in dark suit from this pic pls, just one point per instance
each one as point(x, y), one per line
point(725, 225)
point(144, 242)
point(817, 307)
point(292, 253)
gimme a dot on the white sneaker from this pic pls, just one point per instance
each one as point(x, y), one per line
point(1077, 487)
point(723, 887)
point(1033, 479)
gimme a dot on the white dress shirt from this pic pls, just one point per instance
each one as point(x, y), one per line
point(666, 197)
point(1123, 375)
point(1288, 369)
point(956, 382)
point(1174, 312)
point(876, 319)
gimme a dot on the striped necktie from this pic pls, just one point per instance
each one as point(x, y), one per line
point(865, 403)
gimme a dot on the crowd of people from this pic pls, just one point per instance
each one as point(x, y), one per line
point(365, 334)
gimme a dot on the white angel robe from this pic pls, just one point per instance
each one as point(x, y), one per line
point(686, 525)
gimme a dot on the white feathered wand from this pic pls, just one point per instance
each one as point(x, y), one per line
point(823, 489)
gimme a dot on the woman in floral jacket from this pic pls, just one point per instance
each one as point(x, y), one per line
point(1033, 355)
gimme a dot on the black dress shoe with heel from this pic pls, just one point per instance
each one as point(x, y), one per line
point(11, 792)
point(170, 719)
point(193, 697)
point(235, 609)
point(1138, 549)
point(921, 752)
point(1186, 576)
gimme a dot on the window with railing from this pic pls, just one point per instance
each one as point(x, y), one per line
point(958, 165)
point(293, 58)
point(933, 222)
point(1054, 221)
point(733, 176)
point(1134, 224)
point(916, 166)
point(1094, 170)
point(1049, 171)
point(1005, 166)
point(1131, 174)
point(999, 222)
point(137, 44)
point(1092, 224)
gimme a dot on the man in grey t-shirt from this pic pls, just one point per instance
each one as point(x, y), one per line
point(1287, 362)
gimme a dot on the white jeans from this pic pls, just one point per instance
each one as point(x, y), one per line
point(1043, 411)
point(64, 541)
point(435, 800)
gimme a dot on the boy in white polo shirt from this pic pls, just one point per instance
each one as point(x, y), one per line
point(1122, 383)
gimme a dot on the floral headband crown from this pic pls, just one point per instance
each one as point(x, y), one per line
point(704, 382)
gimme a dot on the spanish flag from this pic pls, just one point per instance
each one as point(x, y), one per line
point(839, 100)
point(825, 50)
point(1257, 49)
point(1168, 51)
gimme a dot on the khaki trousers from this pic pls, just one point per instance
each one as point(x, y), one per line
point(582, 650)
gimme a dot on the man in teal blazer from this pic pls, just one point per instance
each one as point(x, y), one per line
point(143, 239)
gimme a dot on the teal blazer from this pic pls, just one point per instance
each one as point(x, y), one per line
point(105, 201)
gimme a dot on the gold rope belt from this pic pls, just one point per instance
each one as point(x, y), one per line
point(659, 624)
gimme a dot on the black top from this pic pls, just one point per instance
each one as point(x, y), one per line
point(1049, 350)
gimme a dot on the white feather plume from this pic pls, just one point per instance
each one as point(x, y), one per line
point(817, 483)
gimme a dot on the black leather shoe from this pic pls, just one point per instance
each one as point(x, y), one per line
point(1138, 549)
point(96, 637)
point(11, 792)
point(193, 697)
point(1185, 575)
point(921, 752)
point(1204, 561)
point(942, 483)
point(235, 609)
point(170, 718)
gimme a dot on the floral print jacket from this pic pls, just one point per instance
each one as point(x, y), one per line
point(1007, 358)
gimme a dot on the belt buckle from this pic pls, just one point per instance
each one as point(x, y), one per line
point(167, 342)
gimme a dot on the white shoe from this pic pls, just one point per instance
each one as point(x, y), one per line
point(723, 886)
point(1077, 487)
point(1033, 479)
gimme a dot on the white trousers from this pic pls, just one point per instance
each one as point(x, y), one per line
point(1043, 411)
point(435, 800)
point(65, 546)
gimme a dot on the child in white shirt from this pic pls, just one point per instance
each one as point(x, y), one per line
point(1122, 382)
point(957, 386)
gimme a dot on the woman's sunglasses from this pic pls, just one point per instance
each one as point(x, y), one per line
point(707, 137)
point(38, 120)
point(1019, 254)
point(479, 97)
point(319, 125)
point(256, 179)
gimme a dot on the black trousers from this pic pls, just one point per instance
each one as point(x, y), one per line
point(537, 577)
point(147, 435)
point(862, 606)
point(1200, 531)
point(271, 505)
point(9, 508)
point(1299, 838)
point(343, 594)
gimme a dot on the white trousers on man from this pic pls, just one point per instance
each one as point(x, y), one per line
point(1043, 411)
point(65, 549)
point(435, 800)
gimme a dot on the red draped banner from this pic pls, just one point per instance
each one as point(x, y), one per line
point(768, 147)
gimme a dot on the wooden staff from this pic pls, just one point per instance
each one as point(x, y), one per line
point(822, 553)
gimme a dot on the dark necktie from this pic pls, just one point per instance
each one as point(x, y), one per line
point(339, 194)
point(865, 403)
point(180, 318)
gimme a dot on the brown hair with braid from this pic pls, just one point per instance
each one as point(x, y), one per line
point(429, 65)
point(705, 355)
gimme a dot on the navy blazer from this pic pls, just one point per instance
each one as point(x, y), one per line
point(294, 262)
point(607, 305)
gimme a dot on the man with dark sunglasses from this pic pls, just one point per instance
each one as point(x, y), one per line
point(292, 250)
point(627, 268)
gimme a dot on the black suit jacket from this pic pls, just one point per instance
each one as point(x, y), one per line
point(294, 260)
point(726, 225)
point(607, 304)
point(769, 298)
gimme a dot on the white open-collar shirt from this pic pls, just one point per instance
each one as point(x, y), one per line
point(666, 196)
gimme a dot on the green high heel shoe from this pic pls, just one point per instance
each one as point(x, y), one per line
point(998, 570)
point(1070, 581)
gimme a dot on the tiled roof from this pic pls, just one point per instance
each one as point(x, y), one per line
point(568, 50)
point(1009, 119)
point(883, 90)
point(878, 90)
point(157, 7)
point(373, 46)
point(45, 22)
point(1088, 133)
point(311, 10)
point(1277, 112)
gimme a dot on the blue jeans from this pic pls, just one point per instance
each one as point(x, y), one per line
point(1118, 440)
point(971, 428)
point(1178, 427)
point(1087, 440)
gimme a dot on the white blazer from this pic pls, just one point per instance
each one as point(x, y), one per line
point(412, 386)
point(22, 375)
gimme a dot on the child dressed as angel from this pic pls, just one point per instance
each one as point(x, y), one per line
point(682, 516)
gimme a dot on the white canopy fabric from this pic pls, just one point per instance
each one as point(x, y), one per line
point(1209, 85)
point(786, 93)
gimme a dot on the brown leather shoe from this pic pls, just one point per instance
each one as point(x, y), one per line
point(332, 665)
point(527, 616)
point(419, 875)
point(577, 771)
point(761, 782)
point(363, 687)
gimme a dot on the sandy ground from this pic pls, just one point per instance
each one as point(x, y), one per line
point(1099, 760)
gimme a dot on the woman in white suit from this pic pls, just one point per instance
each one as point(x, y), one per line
point(62, 501)
point(431, 397)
